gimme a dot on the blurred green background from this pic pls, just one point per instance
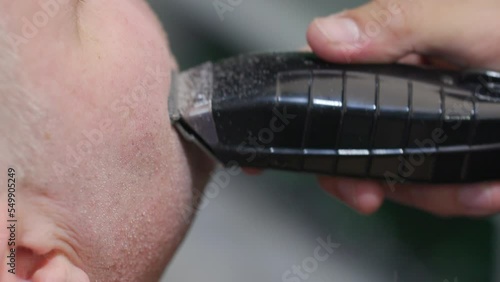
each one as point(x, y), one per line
point(259, 227)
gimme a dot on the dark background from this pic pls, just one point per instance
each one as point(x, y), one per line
point(258, 227)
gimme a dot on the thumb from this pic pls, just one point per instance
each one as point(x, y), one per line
point(384, 31)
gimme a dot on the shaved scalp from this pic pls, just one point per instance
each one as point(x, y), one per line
point(18, 109)
point(7, 85)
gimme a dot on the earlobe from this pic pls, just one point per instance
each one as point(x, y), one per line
point(59, 269)
point(30, 267)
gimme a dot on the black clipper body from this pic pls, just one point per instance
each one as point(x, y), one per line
point(296, 112)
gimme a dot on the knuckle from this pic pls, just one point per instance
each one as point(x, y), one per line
point(398, 18)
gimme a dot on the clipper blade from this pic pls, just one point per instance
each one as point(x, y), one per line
point(190, 103)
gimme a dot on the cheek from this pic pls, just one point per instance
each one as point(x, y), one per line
point(113, 103)
point(143, 177)
point(144, 209)
point(124, 169)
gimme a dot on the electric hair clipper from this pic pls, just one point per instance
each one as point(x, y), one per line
point(294, 111)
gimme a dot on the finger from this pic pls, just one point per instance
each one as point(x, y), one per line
point(412, 59)
point(420, 60)
point(362, 195)
point(450, 200)
point(387, 30)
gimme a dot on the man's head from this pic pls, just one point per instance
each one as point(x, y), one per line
point(103, 184)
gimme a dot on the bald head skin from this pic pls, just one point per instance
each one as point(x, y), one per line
point(104, 185)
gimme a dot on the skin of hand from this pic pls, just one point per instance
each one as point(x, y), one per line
point(446, 33)
point(104, 185)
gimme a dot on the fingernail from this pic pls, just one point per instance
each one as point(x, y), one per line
point(475, 197)
point(338, 29)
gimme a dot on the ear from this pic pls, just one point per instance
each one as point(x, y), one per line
point(35, 268)
point(30, 267)
point(59, 269)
